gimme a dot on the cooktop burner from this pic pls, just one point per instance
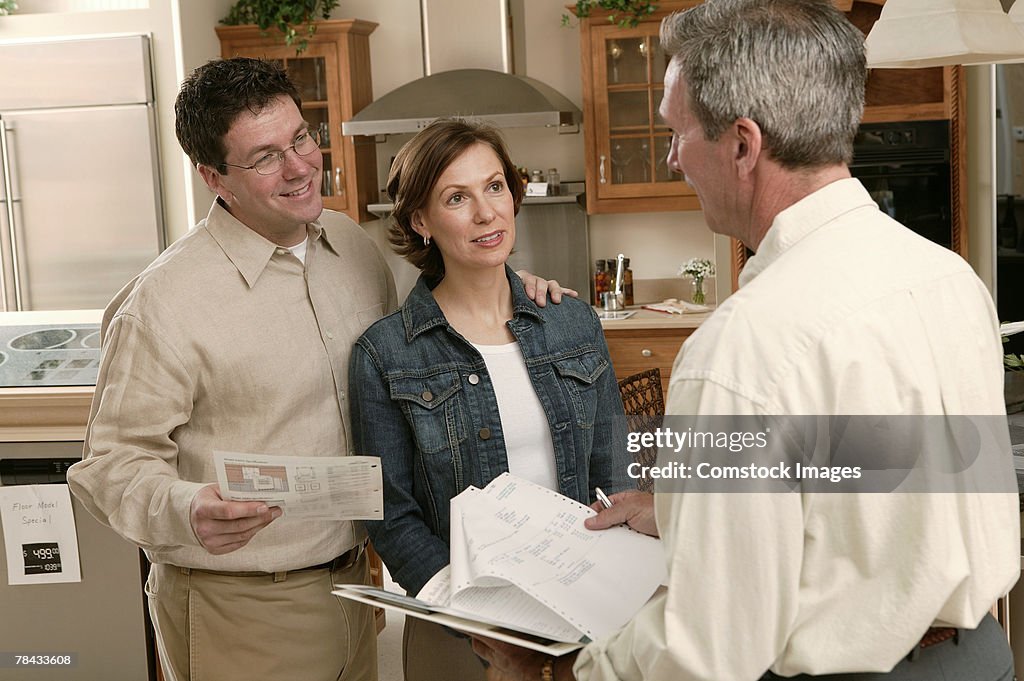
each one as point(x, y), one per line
point(49, 355)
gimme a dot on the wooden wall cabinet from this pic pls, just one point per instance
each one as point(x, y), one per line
point(626, 142)
point(333, 75)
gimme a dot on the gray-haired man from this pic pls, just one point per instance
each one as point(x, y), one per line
point(841, 311)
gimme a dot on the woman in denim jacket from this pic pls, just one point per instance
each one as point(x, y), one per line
point(469, 378)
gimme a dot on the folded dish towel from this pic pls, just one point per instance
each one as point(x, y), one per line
point(676, 306)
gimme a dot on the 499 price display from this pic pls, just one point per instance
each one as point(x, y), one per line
point(41, 559)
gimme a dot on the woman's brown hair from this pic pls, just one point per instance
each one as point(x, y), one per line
point(415, 171)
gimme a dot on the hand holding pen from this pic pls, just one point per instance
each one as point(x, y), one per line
point(632, 508)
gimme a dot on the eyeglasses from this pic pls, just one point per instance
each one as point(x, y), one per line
point(273, 161)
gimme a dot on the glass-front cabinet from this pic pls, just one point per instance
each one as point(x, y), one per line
point(626, 140)
point(333, 76)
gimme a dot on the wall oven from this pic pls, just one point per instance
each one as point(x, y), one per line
point(907, 170)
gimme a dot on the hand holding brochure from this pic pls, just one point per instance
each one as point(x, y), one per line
point(522, 559)
point(313, 487)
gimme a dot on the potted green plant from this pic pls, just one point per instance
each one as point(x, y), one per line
point(295, 19)
point(1013, 379)
point(624, 12)
point(7, 6)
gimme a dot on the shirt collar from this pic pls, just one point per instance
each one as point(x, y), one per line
point(802, 219)
point(421, 312)
point(248, 251)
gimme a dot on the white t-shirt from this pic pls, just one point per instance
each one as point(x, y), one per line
point(531, 454)
point(299, 250)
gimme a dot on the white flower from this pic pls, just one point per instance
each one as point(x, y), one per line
point(698, 268)
point(7, 6)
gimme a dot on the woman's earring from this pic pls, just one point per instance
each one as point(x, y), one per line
point(426, 241)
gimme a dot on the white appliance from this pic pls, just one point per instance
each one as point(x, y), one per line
point(102, 619)
point(80, 208)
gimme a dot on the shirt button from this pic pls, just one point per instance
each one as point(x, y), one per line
point(485, 433)
point(282, 251)
point(427, 396)
point(330, 336)
point(473, 379)
point(341, 394)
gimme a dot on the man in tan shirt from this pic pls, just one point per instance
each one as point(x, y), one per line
point(238, 338)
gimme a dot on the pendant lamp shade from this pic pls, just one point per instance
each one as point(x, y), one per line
point(1017, 14)
point(913, 34)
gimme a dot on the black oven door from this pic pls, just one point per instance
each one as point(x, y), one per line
point(905, 167)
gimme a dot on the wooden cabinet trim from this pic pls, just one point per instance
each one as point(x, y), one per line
point(627, 197)
point(44, 414)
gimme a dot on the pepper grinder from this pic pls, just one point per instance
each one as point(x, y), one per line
point(620, 270)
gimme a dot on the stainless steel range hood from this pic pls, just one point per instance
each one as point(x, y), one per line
point(504, 100)
point(469, 72)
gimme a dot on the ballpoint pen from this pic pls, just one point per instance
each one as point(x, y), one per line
point(603, 498)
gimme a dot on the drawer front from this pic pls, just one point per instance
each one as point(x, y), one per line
point(637, 350)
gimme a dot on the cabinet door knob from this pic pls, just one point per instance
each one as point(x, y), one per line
point(601, 170)
point(646, 353)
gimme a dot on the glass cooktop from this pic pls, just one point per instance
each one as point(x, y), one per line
point(49, 355)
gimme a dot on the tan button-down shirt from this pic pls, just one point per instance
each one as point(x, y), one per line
point(227, 342)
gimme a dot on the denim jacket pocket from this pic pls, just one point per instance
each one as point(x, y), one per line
point(579, 375)
point(433, 407)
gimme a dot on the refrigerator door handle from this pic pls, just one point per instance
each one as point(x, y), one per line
point(5, 161)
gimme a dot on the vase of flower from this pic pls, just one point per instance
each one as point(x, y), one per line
point(698, 291)
point(698, 269)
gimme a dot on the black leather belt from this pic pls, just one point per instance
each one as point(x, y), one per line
point(345, 560)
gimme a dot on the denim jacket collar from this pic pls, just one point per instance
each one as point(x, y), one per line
point(420, 312)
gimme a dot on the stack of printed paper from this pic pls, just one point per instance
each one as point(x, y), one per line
point(522, 560)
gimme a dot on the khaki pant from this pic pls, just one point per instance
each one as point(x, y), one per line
point(223, 627)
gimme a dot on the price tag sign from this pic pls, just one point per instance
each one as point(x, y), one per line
point(41, 559)
point(40, 538)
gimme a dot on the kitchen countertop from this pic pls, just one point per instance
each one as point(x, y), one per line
point(50, 317)
point(649, 319)
point(48, 410)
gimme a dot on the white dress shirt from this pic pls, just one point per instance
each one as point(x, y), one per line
point(842, 311)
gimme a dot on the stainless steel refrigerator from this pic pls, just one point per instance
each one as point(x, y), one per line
point(80, 207)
